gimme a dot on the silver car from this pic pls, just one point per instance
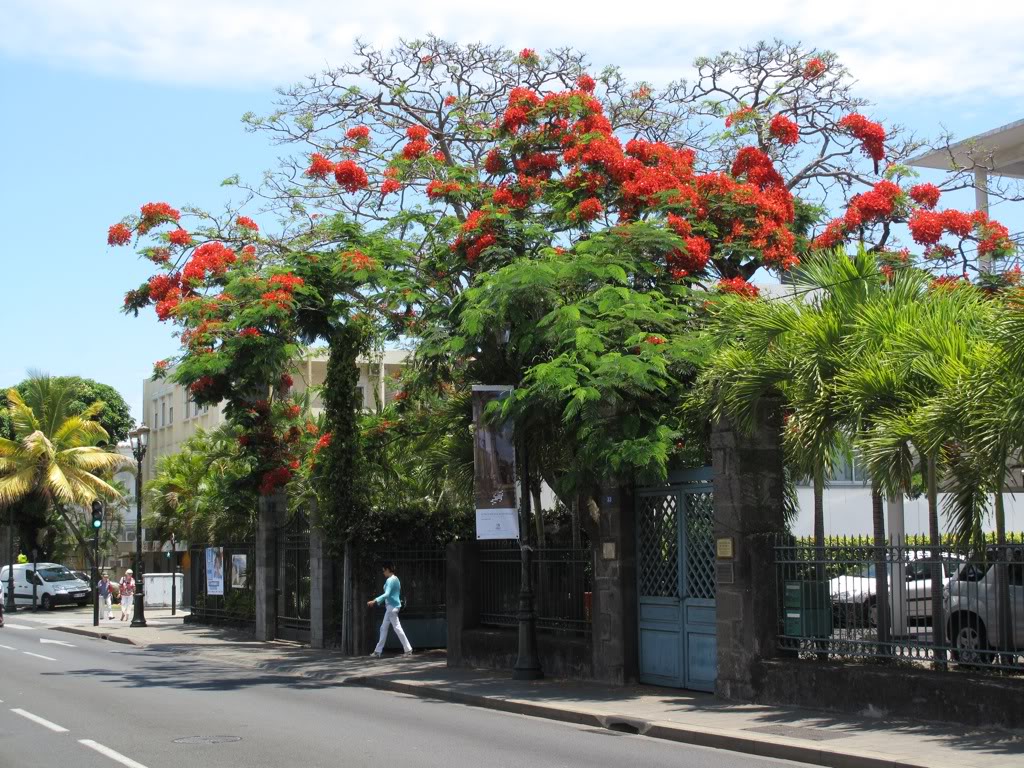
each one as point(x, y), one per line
point(972, 603)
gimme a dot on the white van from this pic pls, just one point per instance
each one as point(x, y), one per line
point(55, 585)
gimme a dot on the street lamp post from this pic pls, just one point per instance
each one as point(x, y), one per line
point(140, 439)
point(527, 661)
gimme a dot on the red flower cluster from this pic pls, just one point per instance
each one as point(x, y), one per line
point(415, 149)
point(390, 186)
point(449, 101)
point(656, 340)
point(246, 223)
point(322, 443)
point(358, 133)
point(154, 214)
point(281, 291)
point(119, 234)
point(814, 69)
point(274, 479)
point(438, 189)
point(285, 382)
point(877, 204)
point(785, 130)
point(588, 210)
point(357, 260)
point(738, 287)
point(180, 237)
point(201, 384)
point(319, 166)
point(528, 56)
point(165, 292)
point(350, 176)
point(739, 115)
point(209, 259)
point(586, 83)
point(159, 255)
point(292, 411)
point(870, 134)
point(249, 333)
point(926, 195)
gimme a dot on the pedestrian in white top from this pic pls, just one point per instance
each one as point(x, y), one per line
point(392, 601)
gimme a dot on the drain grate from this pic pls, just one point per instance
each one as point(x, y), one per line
point(207, 739)
point(795, 732)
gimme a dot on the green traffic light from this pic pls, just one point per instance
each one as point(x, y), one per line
point(97, 523)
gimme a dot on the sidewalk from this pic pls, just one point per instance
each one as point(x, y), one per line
point(683, 716)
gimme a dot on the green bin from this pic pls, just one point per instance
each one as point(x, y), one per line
point(807, 609)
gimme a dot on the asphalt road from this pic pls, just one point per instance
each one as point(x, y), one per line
point(67, 700)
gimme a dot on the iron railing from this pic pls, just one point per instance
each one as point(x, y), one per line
point(829, 606)
point(237, 606)
point(423, 573)
point(562, 582)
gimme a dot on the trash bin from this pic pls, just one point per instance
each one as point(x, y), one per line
point(807, 608)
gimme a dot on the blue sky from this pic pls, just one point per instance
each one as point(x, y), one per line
point(112, 105)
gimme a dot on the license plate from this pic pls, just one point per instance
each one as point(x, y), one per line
point(79, 594)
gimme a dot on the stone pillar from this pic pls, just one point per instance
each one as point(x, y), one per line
point(748, 492)
point(462, 594)
point(614, 600)
point(321, 591)
point(267, 529)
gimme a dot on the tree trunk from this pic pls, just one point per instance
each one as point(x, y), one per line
point(938, 580)
point(86, 547)
point(881, 571)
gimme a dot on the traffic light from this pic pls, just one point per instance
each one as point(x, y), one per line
point(97, 515)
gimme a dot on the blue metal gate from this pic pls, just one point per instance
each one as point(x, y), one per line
point(676, 579)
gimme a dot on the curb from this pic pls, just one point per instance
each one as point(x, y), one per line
point(99, 635)
point(696, 736)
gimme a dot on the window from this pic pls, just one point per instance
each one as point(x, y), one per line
point(163, 413)
point(847, 471)
point(170, 415)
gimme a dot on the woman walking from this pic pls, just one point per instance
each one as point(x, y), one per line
point(127, 595)
point(392, 600)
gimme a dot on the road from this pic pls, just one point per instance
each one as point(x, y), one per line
point(67, 700)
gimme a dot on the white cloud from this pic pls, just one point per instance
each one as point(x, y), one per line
point(918, 50)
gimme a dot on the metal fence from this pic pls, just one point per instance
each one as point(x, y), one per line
point(562, 582)
point(237, 606)
point(927, 605)
point(423, 573)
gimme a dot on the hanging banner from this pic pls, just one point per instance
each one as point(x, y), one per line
point(239, 571)
point(215, 570)
point(494, 469)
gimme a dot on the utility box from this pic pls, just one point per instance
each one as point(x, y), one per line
point(807, 608)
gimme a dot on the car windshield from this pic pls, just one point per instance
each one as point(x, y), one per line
point(56, 574)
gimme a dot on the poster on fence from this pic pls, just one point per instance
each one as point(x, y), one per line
point(215, 570)
point(494, 469)
point(239, 572)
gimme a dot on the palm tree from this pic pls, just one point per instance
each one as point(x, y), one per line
point(55, 456)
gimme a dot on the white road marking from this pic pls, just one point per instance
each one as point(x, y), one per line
point(37, 719)
point(18, 626)
point(9, 648)
point(39, 655)
point(117, 757)
point(57, 642)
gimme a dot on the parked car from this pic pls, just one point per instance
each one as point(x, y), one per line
point(83, 576)
point(972, 604)
point(55, 585)
point(853, 594)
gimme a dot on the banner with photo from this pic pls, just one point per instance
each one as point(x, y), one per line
point(494, 469)
point(239, 571)
point(215, 570)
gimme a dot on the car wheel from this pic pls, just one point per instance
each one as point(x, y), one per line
point(969, 640)
point(47, 603)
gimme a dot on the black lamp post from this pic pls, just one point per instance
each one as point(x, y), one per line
point(140, 440)
point(10, 607)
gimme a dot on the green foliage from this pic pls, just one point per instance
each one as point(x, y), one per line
point(203, 493)
point(115, 417)
point(340, 478)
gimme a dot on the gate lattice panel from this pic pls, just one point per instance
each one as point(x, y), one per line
point(658, 546)
point(676, 580)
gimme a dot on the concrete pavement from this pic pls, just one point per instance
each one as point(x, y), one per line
point(94, 704)
point(679, 716)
